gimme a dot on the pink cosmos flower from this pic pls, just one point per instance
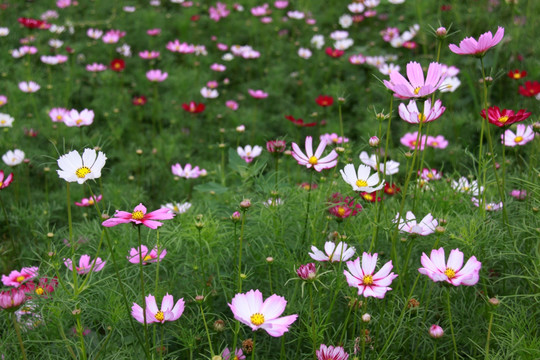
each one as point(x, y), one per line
point(85, 266)
point(362, 277)
point(523, 135)
point(218, 67)
point(425, 227)
point(219, 11)
point(453, 271)
point(135, 256)
point(430, 174)
point(469, 46)
point(250, 309)
point(357, 59)
point(257, 94)
point(78, 119)
point(156, 75)
point(410, 141)
point(94, 33)
point(231, 104)
point(188, 171)
point(314, 160)
point(412, 115)
point(281, 4)
point(89, 201)
point(153, 32)
point(331, 352)
point(333, 252)
point(148, 54)
point(16, 278)
point(437, 142)
point(334, 138)
point(95, 67)
point(139, 216)
point(307, 272)
point(518, 194)
point(12, 298)
point(238, 354)
point(29, 86)
point(5, 182)
point(416, 86)
point(3, 100)
point(489, 206)
point(169, 310)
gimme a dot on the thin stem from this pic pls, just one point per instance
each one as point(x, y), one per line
point(71, 242)
point(141, 272)
point(8, 225)
point(240, 251)
point(80, 331)
point(253, 351)
point(19, 338)
point(207, 332)
point(161, 342)
point(307, 210)
point(450, 320)
point(313, 335)
point(489, 335)
point(270, 276)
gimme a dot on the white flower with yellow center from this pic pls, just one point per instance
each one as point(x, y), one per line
point(73, 167)
point(361, 180)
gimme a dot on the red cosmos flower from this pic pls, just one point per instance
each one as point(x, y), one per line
point(531, 88)
point(517, 74)
point(193, 107)
point(139, 100)
point(195, 17)
point(335, 53)
point(324, 100)
point(343, 207)
point(371, 197)
point(33, 23)
point(391, 189)
point(118, 65)
point(504, 118)
point(299, 122)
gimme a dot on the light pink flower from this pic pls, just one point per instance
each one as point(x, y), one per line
point(3, 100)
point(29, 86)
point(238, 354)
point(425, 227)
point(83, 118)
point(218, 67)
point(524, 134)
point(16, 278)
point(469, 46)
point(153, 32)
point(85, 266)
point(430, 174)
point(410, 141)
point(331, 352)
point(250, 309)
point(231, 104)
point(12, 298)
point(453, 271)
point(94, 33)
point(362, 277)
point(437, 142)
point(334, 138)
point(148, 54)
point(357, 59)
point(156, 75)
point(169, 310)
point(58, 114)
point(489, 206)
point(257, 94)
point(139, 216)
point(89, 201)
point(412, 115)
point(151, 256)
point(416, 86)
point(314, 160)
point(95, 67)
point(281, 4)
point(518, 194)
point(248, 153)
point(332, 252)
point(187, 172)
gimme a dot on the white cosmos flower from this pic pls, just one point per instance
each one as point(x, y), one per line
point(177, 208)
point(463, 185)
point(389, 168)
point(6, 120)
point(73, 167)
point(361, 180)
point(304, 53)
point(209, 93)
point(333, 252)
point(12, 158)
point(450, 84)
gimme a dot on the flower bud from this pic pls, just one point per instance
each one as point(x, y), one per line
point(440, 230)
point(219, 325)
point(199, 299)
point(366, 318)
point(435, 331)
point(494, 301)
point(276, 146)
point(270, 260)
point(307, 272)
point(245, 204)
point(240, 128)
point(441, 32)
point(236, 216)
point(374, 141)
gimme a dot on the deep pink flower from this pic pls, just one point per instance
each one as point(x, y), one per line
point(437, 142)
point(453, 271)
point(307, 271)
point(416, 86)
point(505, 117)
point(343, 208)
point(518, 194)
point(257, 94)
point(469, 46)
point(331, 353)
point(238, 354)
point(435, 331)
point(250, 309)
point(139, 216)
point(362, 277)
point(11, 299)
point(85, 265)
point(16, 278)
point(314, 160)
point(4, 182)
point(169, 310)
point(410, 140)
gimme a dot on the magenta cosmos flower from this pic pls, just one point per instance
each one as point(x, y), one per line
point(188, 171)
point(412, 115)
point(5, 182)
point(169, 310)
point(523, 135)
point(453, 271)
point(89, 201)
point(314, 160)
point(151, 256)
point(238, 354)
point(85, 265)
point(362, 277)
point(12, 298)
point(250, 309)
point(257, 94)
point(139, 216)
point(469, 46)
point(416, 86)
point(331, 353)
point(16, 278)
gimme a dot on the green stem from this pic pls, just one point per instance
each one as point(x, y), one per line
point(71, 242)
point(8, 225)
point(80, 331)
point(451, 325)
point(307, 210)
point(207, 332)
point(252, 351)
point(141, 274)
point(270, 276)
point(489, 335)
point(240, 251)
point(19, 338)
point(313, 334)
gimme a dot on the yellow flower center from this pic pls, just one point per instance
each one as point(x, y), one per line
point(235, 357)
point(307, 187)
point(82, 172)
point(367, 280)
point(489, 207)
point(434, 144)
point(421, 117)
point(503, 119)
point(137, 215)
point(147, 257)
point(159, 316)
point(20, 278)
point(78, 121)
point(175, 208)
point(313, 160)
point(59, 117)
point(517, 76)
point(417, 90)
point(2, 122)
point(361, 183)
point(341, 211)
point(91, 201)
point(257, 319)
point(430, 175)
point(335, 140)
point(40, 291)
point(450, 273)
point(368, 197)
point(465, 188)
point(1, 183)
point(1, 102)
point(518, 139)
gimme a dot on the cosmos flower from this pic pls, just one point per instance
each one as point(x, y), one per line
point(530, 88)
point(314, 160)
point(463, 185)
point(11, 299)
point(156, 75)
point(6, 120)
point(5, 182)
point(193, 107)
point(231, 104)
point(412, 115)
point(118, 65)
point(430, 174)
point(169, 310)
point(209, 93)
point(3, 100)
point(17, 278)
point(505, 117)
point(139, 216)
point(343, 208)
point(361, 180)
point(334, 53)
point(469, 46)
point(12, 158)
point(276, 146)
point(299, 122)
point(248, 153)
point(85, 265)
point(78, 119)
point(362, 276)
point(416, 86)
point(410, 140)
point(517, 74)
point(257, 94)
point(304, 53)
point(437, 142)
point(331, 352)
point(73, 167)
point(524, 134)
point(435, 331)
point(177, 208)
point(391, 167)
point(249, 309)
point(238, 354)
point(450, 84)
point(95, 67)
point(453, 271)
point(332, 252)
point(151, 256)
point(29, 86)
point(518, 194)
point(94, 33)
point(324, 100)
point(488, 206)
point(425, 227)
point(89, 201)
point(148, 55)
point(334, 138)
point(139, 100)
point(188, 171)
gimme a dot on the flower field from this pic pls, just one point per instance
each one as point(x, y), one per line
point(269, 180)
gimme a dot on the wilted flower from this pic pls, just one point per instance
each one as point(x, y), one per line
point(276, 146)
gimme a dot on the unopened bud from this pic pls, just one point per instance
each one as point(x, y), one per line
point(219, 325)
point(270, 260)
point(435, 331)
point(199, 298)
point(440, 230)
point(494, 301)
point(236, 216)
point(374, 141)
point(441, 32)
point(245, 204)
point(366, 318)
